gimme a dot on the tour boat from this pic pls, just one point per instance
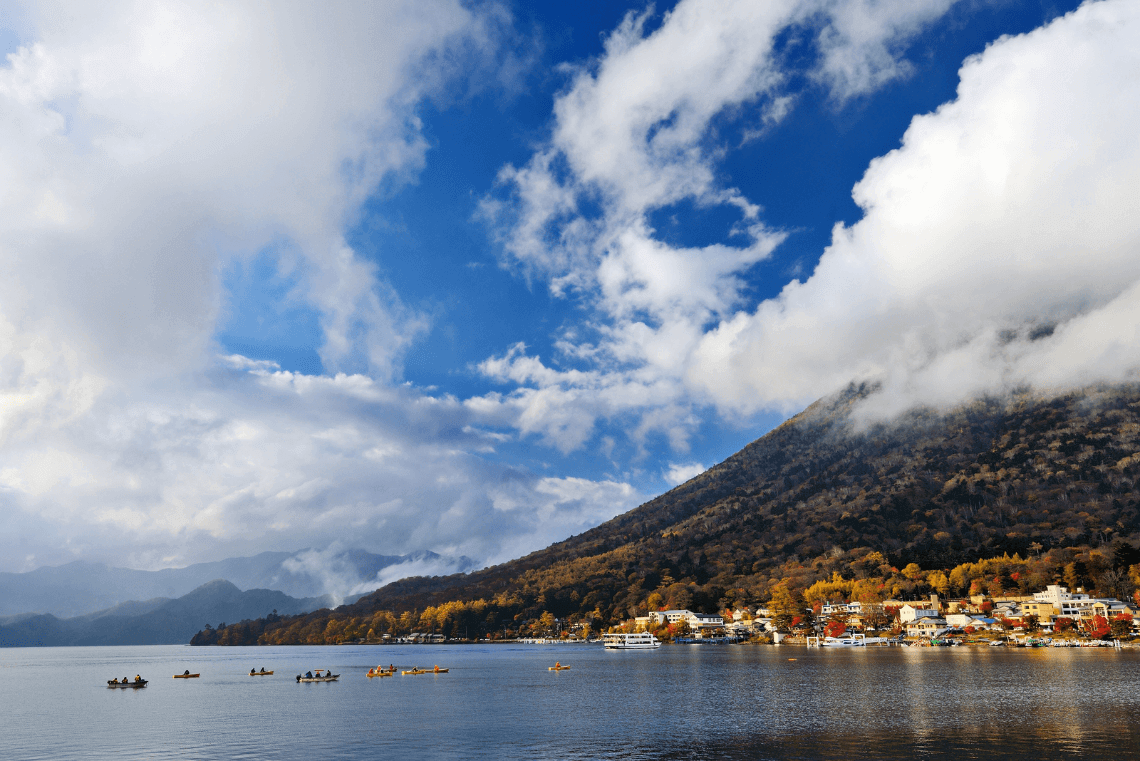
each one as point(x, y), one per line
point(639, 641)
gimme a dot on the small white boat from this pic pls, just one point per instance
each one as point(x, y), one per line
point(638, 641)
point(855, 640)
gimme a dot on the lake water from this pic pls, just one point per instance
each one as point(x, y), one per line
point(501, 702)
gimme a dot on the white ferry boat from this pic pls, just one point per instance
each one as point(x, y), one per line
point(639, 641)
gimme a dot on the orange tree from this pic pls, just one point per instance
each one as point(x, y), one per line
point(1121, 625)
point(1098, 627)
point(834, 628)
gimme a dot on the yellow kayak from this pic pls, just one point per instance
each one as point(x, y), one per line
point(436, 670)
point(187, 676)
point(558, 668)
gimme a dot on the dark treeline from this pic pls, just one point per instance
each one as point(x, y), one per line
point(1050, 481)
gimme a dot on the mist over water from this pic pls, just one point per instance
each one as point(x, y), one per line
point(500, 701)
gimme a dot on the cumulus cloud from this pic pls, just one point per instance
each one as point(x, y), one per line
point(635, 133)
point(998, 248)
point(144, 148)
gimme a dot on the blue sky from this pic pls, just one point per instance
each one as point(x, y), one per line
point(475, 277)
point(428, 242)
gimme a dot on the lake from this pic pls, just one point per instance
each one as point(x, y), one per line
point(501, 702)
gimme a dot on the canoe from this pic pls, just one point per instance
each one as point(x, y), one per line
point(136, 685)
point(332, 678)
point(187, 676)
point(380, 673)
point(260, 673)
point(425, 671)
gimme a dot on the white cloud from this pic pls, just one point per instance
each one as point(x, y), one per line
point(144, 148)
point(679, 473)
point(633, 134)
point(1006, 213)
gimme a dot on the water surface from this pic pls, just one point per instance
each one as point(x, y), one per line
point(501, 702)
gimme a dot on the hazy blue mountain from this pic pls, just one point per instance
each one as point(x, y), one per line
point(160, 621)
point(79, 588)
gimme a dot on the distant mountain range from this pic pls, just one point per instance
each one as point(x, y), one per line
point(160, 621)
point(81, 588)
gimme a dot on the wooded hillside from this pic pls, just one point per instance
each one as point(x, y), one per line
point(1053, 478)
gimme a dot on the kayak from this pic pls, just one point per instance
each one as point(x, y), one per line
point(260, 673)
point(187, 676)
point(113, 684)
point(558, 668)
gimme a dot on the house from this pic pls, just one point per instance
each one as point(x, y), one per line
point(926, 626)
point(842, 609)
point(669, 616)
point(909, 613)
point(962, 620)
point(700, 622)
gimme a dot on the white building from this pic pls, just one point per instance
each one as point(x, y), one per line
point(843, 609)
point(925, 626)
point(669, 616)
point(908, 613)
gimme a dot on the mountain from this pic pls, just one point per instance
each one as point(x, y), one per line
point(79, 588)
point(160, 621)
point(1052, 478)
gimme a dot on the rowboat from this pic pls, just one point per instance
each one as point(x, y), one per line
point(263, 672)
point(187, 676)
point(113, 684)
point(330, 678)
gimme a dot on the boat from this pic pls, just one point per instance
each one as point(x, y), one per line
point(558, 667)
point(187, 675)
point(114, 683)
point(381, 672)
point(436, 670)
point(328, 677)
point(638, 641)
point(263, 672)
point(855, 640)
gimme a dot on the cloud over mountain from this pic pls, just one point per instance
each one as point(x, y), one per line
point(998, 245)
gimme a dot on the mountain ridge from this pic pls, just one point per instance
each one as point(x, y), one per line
point(159, 621)
point(1047, 475)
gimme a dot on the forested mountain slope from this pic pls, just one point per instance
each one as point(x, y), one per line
point(1027, 475)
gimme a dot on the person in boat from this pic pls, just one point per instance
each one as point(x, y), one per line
point(138, 678)
point(115, 680)
point(252, 672)
point(309, 674)
point(263, 669)
point(186, 672)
